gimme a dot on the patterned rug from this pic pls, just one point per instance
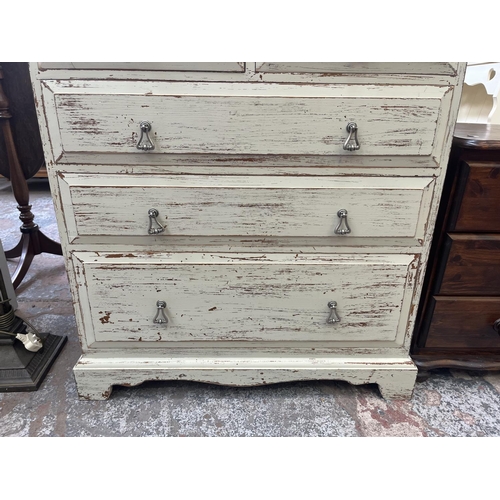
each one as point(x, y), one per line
point(448, 403)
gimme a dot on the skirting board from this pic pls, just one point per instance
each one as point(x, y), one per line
point(96, 375)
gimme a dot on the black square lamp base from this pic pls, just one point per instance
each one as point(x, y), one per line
point(22, 370)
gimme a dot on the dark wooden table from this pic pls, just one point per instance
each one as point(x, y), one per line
point(21, 141)
point(458, 323)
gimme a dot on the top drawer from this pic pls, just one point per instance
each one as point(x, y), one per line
point(247, 119)
point(478, 209)
point(410, 68)
point(224, 67)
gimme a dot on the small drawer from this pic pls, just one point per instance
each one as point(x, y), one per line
point(237, 206)
point(248, 297)
point(167, 118)
point(472, 265)
point(465, 322)
point(326, 68)
point(220, 67)
point(477, 206)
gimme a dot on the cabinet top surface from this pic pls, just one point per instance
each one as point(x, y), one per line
point(477, 136)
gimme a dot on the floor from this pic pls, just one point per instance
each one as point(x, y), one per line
point(449, 403)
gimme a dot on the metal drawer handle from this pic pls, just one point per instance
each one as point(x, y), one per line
point(342, 228)
point(496, 326)
point(145, 143)
point(333, 318)
point(153, 213)
point(351, 143)
point(160, 317)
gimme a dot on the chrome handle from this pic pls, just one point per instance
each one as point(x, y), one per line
point(160, 317)
point(496, 326)
point(145, 143)
point(333, 318)
point(153, 213)
point(351, 143)
point(342, 228)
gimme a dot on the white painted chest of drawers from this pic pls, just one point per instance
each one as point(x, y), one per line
point(223, 222)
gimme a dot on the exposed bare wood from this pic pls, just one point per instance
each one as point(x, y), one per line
point(248, 174)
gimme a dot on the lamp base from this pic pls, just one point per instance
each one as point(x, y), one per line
point(22, 370)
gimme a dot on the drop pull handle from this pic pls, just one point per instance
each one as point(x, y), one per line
point(154, 226)
point(334, 317)
point(351, 143)
point(145, 143)
point(496, 326)
point(343, 227)
point(160, 317)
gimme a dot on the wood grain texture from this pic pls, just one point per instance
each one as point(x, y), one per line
point(246, 297)
point(23, 121)
point(464, 322)
point(301, 115)
point(117, 205)
point(148, 66)
point(478, 136)
point(337, 73)
point(247, 119)
point(472, 265)
point(96, 376)
point(428, 68)
point(479, 206)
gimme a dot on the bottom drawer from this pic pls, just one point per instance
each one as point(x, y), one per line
point(243, 297)
point(464, 322)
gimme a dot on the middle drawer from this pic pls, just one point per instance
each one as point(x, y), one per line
point(246, 206)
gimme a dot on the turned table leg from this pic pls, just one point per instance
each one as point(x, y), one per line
point(33, 241)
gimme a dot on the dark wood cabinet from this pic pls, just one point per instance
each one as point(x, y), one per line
point(458, 322)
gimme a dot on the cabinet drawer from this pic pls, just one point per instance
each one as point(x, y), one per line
point(464, 322)
point(472, 265)
point(478, 209)
point(232, 67)
point(411, 68)
point(247, 119)
point(245, 206)
point(248, 297)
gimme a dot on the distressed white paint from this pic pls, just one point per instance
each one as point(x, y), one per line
point(394, 376)
point(234, 361)
point(246, 119)
point(245, 298)
point(147, 66)
point(247, 124)
point(352, 73)
point(377, 68)
point(232, 206)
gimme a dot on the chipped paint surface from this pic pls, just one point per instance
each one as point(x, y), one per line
point(282, 298)
point(235, 303)
point(448, 403)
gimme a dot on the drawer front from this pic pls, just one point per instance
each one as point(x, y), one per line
point(464, 322)
point(472, 265)
point(244, 119)
point(231, 67)
point(250, 297)
point(245, 206)
point(411, 68)
point(479, 207)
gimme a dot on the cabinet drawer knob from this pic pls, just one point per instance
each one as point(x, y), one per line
point(160, 317)
point(153, 213)
point(351, 143)
point(342, 228)
point(496, 326)
point(145, 143)
point(334, 317)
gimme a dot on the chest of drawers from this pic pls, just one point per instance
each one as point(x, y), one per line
point(246, 223)
point(459, 317)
